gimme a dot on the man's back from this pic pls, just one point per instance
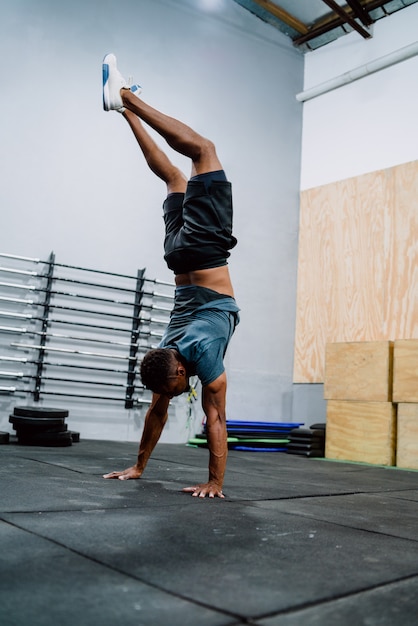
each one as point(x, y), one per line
point(216, 278)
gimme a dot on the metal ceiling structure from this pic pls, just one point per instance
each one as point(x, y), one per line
point(311, 24)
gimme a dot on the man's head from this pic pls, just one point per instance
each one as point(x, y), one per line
point(163, 371)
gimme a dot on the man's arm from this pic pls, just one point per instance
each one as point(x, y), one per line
point(155, 420)
point(214, 402)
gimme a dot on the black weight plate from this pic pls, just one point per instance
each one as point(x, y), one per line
point(75, 436)
point(304, 446)
point(318, 440)
point(55, 442)
point(39, 411)
point(28, 431)
point(4, 437)
point(36, 421)
point(307, 432)
point(44, 436)
point(310, 453)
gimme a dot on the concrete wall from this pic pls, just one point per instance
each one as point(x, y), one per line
point(74, 181)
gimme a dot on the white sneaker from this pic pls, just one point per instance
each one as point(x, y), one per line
point(113, 82)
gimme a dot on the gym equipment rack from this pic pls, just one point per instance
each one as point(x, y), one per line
point(61, 311)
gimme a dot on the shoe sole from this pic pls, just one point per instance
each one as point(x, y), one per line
point(105, 71)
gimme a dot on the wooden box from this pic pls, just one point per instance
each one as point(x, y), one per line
point(407, 446)
point(405, 371)
point(361, 431)
point(360, 371)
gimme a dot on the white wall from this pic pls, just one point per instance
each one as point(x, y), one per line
point(370, 124)
point(73, 180)
point(362, 127)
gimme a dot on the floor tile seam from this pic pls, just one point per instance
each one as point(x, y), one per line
point(49, 464)
point(63, 467)
point(67, 467)
point(372, 494)
point(393, 490)
point(305, 496)
point(328, 495)
point(139, 579)
point(362, 464)
point(397, 490)
point(315, 604)
point(141, 506)
point(340, 525)
point(353, 469)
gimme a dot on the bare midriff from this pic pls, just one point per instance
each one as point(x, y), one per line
point(216, 278)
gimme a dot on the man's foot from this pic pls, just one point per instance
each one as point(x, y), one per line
point(113, 82)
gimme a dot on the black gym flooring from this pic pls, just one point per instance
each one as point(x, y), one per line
point(297, 541)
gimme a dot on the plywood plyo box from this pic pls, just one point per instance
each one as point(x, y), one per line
point(359, 371)
point(405, 371)
point(361, 431)
point(357, 264)
point(407, 446)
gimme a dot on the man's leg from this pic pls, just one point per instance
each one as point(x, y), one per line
point(180, 137)
point(157, 160)
point(117, 95)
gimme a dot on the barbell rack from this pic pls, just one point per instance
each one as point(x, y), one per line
point(141, 313)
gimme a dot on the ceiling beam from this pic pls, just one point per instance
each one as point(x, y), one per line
point(360, 12)
point(321, 27)
point(347, 18)
point(283, 15)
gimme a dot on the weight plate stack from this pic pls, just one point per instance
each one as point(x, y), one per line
point(308, 442)
point(42, 426)
point(4, 437)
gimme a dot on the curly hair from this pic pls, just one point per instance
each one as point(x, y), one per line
point(156, 367)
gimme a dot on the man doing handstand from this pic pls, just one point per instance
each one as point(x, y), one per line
point(198, 237)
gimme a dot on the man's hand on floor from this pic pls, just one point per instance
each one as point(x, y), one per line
point(130, 473)
point(210, 489)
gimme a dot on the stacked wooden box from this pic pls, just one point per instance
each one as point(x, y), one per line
point(405, 394)
point(371, 390)
point(361, 418)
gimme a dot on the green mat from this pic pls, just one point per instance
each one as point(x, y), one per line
point(201, 442)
